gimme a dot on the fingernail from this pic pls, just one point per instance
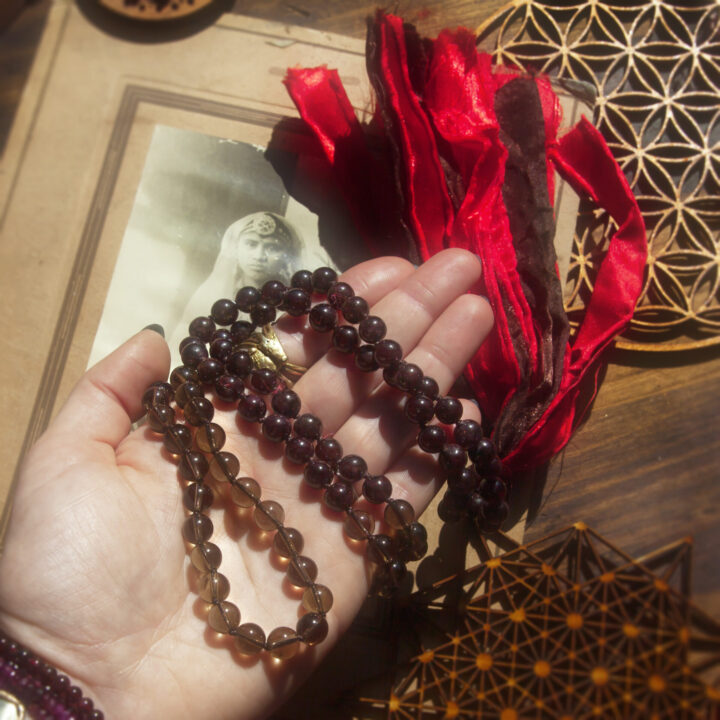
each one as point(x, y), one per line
point(156, 328)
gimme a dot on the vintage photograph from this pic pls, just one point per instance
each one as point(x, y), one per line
point(210, 215)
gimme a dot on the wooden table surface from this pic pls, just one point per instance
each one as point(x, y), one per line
point(643, 470)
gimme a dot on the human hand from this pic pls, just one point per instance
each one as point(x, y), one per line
point(94, 576)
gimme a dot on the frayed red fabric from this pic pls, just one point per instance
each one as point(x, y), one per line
point(447, 168)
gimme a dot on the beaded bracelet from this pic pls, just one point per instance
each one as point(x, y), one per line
point(38, 688)
point(216, 357)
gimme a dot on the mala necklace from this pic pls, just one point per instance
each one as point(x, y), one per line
point(221, 358)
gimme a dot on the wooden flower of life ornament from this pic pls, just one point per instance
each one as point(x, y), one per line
point(566, 627)
point(656, 71)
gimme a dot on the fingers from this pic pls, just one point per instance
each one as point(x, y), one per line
point(409, 310)
point(380, 426)
point(108, 398)
point(372, 280)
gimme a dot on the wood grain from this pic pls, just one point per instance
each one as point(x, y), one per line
point(643, 470)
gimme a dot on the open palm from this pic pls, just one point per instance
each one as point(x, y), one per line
point(95, 577)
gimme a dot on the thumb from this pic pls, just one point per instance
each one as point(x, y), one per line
point(108, 398)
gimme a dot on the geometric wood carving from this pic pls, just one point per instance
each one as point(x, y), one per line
point(565, 627)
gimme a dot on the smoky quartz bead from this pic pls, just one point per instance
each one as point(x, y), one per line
point(198, 410)
point(160, 417)
point(268, 515)
point(358, 525)
point(206, 557)
point(288, 541)
point(317, 598)
point(183, 374)
point(282, 643)
point(224, 617)
point(197, 497)
point(160, 393)
point(213, 587)
point(197, 528)
point(193, 465)
point(221, 348)
point(249, 639)
point(186, 392)
point(193, 353)
point(312, 628)
point(302, 571)
point(177, 439)
point(224, 466)
point(246, 492)
point(399, 514)
point(379, 548)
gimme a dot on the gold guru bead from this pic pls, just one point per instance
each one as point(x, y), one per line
point(214, 355)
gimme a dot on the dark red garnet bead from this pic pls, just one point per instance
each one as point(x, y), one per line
point(377, 489)
point(221, 349)
point(302, 279)
point(239, 363)
point(296, 302)
point(241, 330)
point(431, 439)
point(286, 402)
point(365, 358)
point(209, 370)
point(202, 328)
point(467, 434)
point(409, 376)
point(252, 408)
point(323, 317)
point(308, 426)
point(464, 481)
point(263, 313)
point(387, 353)
point(276, 428)
point(224, 311)
point(493, 489)
point(345, 338)
point(229, 387)
point(273, 292)
point(338, 293)
point(448, 410)
point(419, 409)
point(372, 329)
point(246, 298)
point(339, 496)
point(428, 387)
point(323, 278)
point(299, 450)
point(352, 468)
point(318, 474)
point(193, 353)
point(355, 309)
point(452, 458)
point(329, 450)
point(263, 380)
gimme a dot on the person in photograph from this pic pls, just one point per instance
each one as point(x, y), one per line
point(256, 248)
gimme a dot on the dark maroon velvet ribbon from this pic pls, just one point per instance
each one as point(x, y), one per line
point(466, 159)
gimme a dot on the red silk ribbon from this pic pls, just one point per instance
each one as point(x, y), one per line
point(446, 163)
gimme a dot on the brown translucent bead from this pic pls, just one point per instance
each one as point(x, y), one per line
point(288, 541)
point(268, 515)
point(302, 571)
point(177, 439)
point(183, 374)
point(198, 410)
point(159, 393)
point(399, 513)
point(206, 557)
point(282, 643)
point(214, 587)
point(245, 492)
point(223, 466)
point(312, 628)
point(358, 524)
point(197, 497)
point(210, 437)
point(193, 465)
point(185, 392)
point(317, 598)
point(160, 417)
point(224, 617)
point(249, 638)
point(197, 528)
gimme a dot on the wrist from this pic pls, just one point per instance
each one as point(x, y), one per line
point(30, 684)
